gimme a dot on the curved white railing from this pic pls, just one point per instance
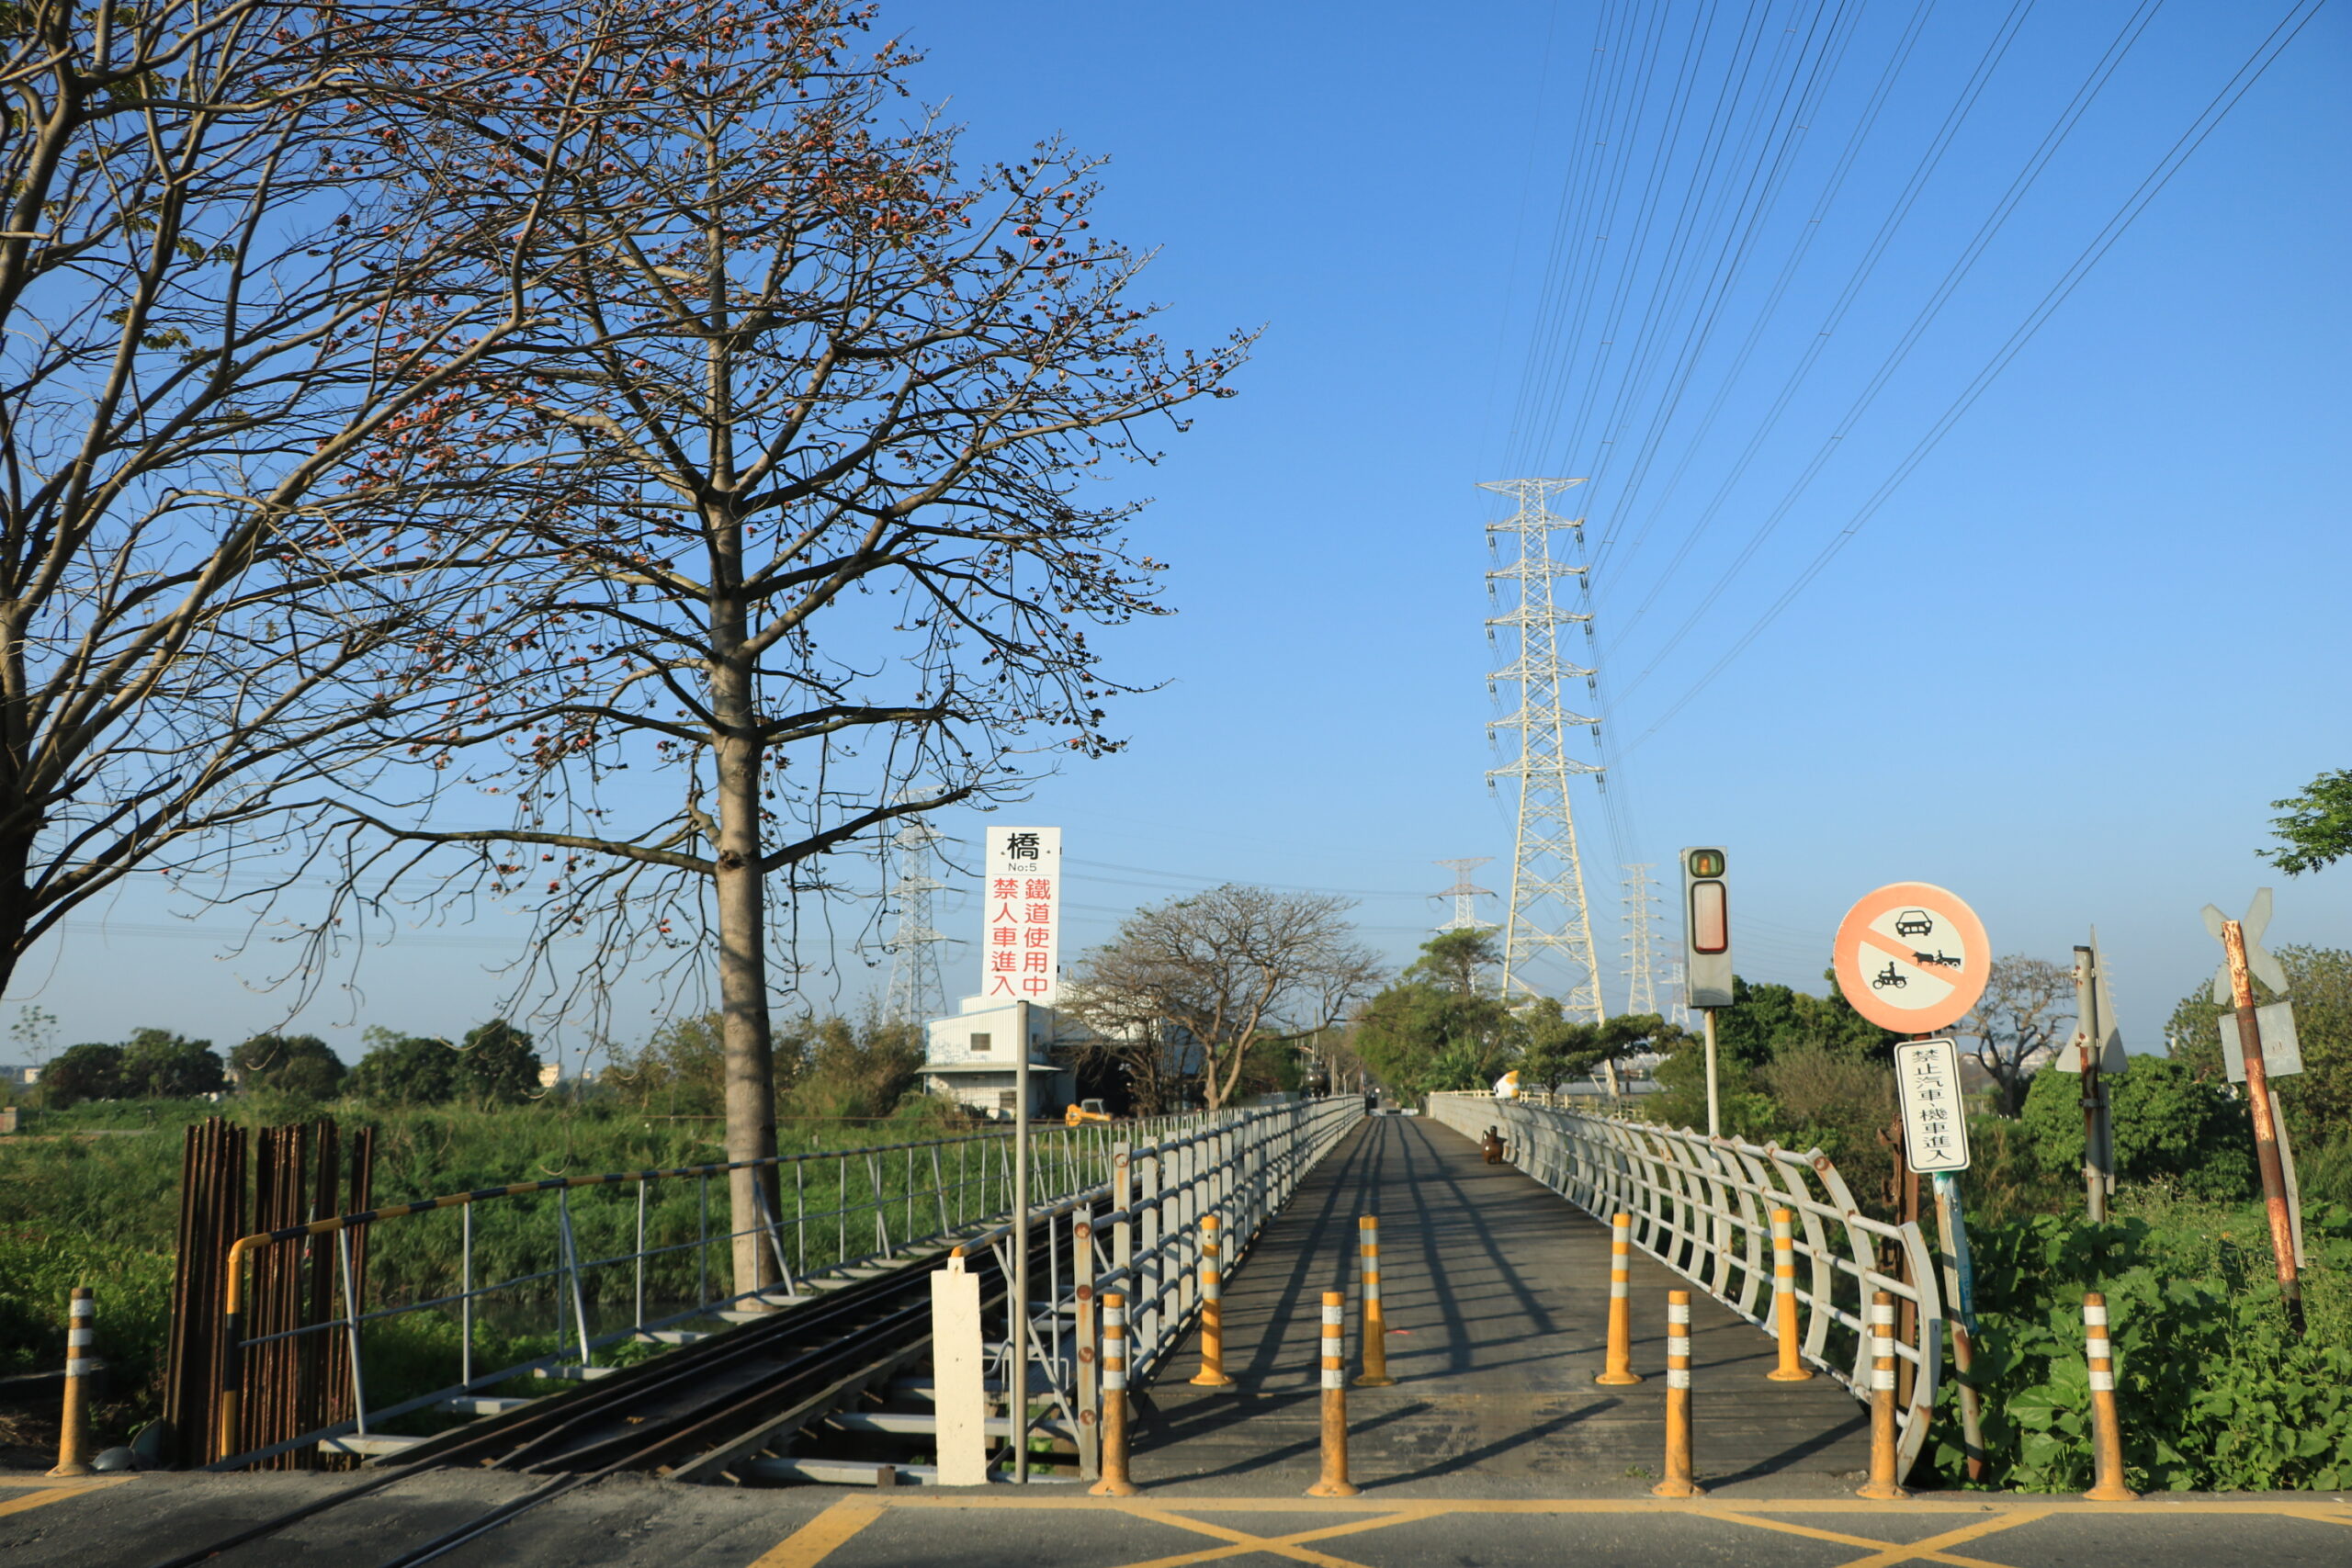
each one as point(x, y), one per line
point(1703, 1207)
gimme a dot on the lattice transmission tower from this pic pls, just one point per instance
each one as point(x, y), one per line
point(1465, 895)
point(1641, 932)
point(1548, 918)
point(917, 994)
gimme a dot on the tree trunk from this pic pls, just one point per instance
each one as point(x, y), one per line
point(745, 1035)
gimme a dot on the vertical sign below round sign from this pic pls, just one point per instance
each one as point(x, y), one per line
point(1912, 957)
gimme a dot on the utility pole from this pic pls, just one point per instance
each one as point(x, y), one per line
point(1465, 895)
point(916, 994)
point(1547, 917)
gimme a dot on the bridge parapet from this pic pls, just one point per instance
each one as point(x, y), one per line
point(1703, 1207)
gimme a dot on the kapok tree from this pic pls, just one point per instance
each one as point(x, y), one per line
point(798, 440)
point(207, 312)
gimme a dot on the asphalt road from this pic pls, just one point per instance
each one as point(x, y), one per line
point(633, 1522)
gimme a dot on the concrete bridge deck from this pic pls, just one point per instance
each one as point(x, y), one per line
point(1496, 1295)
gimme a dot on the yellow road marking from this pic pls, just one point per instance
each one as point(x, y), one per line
point(57, 1494)
point(1932, 1548)
point(1890, 1553)
point(1975, 1504)
point(817, 1539)
point(1241, 1543)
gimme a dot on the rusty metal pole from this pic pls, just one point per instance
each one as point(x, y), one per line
point(2266, 1133)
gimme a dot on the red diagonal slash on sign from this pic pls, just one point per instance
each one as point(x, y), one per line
point(1909, 955)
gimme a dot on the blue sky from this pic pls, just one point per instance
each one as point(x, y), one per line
point(2062, 668)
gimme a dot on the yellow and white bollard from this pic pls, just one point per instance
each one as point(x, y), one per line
point(1212, 1372)
point(1375, 1322)
point(1679, 1481)
point(1619, 1370)
point(1114, 1481)
point(73, 1431)
point(1883, 1484)
point(1333, 1483)
point(2107, 1432)
point(1784, 1299)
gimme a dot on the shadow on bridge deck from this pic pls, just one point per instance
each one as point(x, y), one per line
point(1496, 1294)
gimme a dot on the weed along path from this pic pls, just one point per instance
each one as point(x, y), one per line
point(1496, 1294)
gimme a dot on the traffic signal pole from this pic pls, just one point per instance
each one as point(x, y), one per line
point(1715, 1097)
point(2266, 1132)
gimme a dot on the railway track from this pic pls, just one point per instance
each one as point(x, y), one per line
point(693, 1414)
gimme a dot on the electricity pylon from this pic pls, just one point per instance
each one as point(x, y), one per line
point(1641, 985)
point(916, 994)
point(1548, 917)
point(1465, 895)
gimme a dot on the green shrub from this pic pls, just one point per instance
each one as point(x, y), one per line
point(2170, 1126)
point(2214, 1390)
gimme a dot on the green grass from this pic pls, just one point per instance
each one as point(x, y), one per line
point(103, 1211)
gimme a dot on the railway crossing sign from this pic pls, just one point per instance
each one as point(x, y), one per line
point(1912, 957)
point(2094, 1024)
point(2258, 958)
point(1935, 1122)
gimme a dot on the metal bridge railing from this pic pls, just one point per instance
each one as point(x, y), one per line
point(1703, 1207)
point(838, 1209)
point(1141, 1233)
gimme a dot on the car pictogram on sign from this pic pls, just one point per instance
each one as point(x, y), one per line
point(1913, 922)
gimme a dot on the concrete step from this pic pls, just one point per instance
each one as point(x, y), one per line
point(484, 1405)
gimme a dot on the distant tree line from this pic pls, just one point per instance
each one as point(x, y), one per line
point(495, 1065)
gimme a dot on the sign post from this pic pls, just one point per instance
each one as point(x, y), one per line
point(2098, 1051)
point(2243, 957)
point(1706, 940)
point(1024, 867)
point(1914, 957)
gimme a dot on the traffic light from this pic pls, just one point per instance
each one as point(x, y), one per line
point(1706, 929)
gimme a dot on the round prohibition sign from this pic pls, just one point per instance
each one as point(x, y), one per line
point(1912, 957)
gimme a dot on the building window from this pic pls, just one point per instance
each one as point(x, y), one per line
point(979, 1043)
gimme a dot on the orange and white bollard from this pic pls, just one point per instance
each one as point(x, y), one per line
point(1333, 1483)
point(1679, 1481)
point(2107, 1432)
point(1375, 1322)
point(1212, 1372)
point(1114, 1481)
point(1619, 1370)
point(73, 1431)
point(1784, 1299)
point(1883, 1484)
